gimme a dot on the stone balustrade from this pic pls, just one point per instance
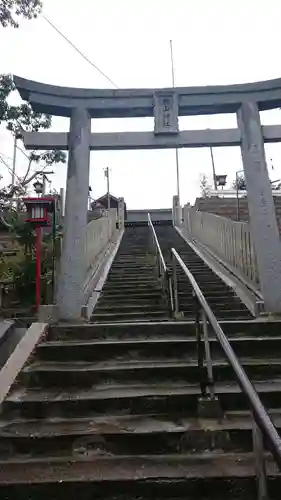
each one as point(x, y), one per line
point(99, 233)
point(229, 240)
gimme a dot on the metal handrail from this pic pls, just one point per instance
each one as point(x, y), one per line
point(156, 242)
point(162, 270)
point(260, 414)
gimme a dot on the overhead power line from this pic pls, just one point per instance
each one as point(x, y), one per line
point(79, 51)
point(43, 167)
point(6, 165)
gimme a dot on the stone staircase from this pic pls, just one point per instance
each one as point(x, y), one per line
point(132, 291)
point(222, 299)
point(111, 411)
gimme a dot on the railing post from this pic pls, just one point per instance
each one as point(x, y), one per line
point(200, 355)
point(158, 265)
point(170, 291)
point(258, 449)
point(175, 286)
point(208, 354)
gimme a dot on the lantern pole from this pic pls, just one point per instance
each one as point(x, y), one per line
point(38, 266)
point(54, 247)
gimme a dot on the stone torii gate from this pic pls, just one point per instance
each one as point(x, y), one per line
point(80, 105)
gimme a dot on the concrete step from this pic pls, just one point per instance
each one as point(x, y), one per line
point(179, 348)
point(125, 306)
point(134, 293)
point(203, 278)
point(218, 300)
point(127, 435)
point(127, 316)
point(142, 293)
point(221, 314)
point(134, 398)
point(124, 287)
point(149, 299)
point(138, 277)
point(131, 273)
point(209, 287)
point(132, 270)
point(156, 330)
point(87, 374)
point(106, 469)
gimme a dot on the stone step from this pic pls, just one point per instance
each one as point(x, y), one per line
point(126, 435)
point(203, 278)
point(134, 293)
point(209, 286)
point(217, 488)
point(225, 314)
point(110, 307)
point(146, 271)
point(135, 398)
point(218, 301)
point(131, 424)
point(107, 469)
point(134, 299)
point(157, 330)
point(139, 277)
point(106, 317)
point(118, 266)
point(154, 348)
point(140, 285)
point(87, 374)
point(117, 294)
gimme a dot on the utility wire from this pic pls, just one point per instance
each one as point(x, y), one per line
point(10, 169)
point(7, 166)
point(79, 51)
point(24, 153)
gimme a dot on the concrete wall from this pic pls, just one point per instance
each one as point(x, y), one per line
point(156, 214)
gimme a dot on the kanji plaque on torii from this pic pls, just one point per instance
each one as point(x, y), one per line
point(166, 113)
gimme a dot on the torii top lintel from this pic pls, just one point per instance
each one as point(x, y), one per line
point(126, 103)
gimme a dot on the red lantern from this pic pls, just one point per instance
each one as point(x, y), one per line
point(38, 210)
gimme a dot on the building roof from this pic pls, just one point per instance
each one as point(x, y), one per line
point(104, 197)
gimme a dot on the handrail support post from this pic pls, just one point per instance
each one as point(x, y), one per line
point(260, 466)
point(175, 287)
point(208, 354)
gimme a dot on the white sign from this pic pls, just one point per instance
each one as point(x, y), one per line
point(166, 113)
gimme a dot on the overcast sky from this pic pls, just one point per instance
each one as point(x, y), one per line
point(214, 42)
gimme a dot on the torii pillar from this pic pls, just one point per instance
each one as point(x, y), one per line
point(70, 296)
point(263, 223)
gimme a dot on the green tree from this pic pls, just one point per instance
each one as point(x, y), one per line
point(240, 183)
point(204, 185)
point(18, 120)
point(12, 10)
point(22, 118)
